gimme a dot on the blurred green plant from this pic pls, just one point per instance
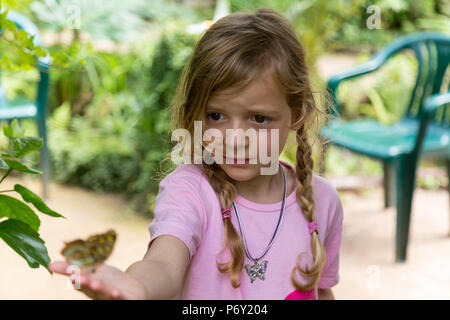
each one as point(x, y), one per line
point(80, 82)
point(18, 51)
point(93, 151)
point(20, 228)
point(397, 17)
point(343, 23)
point(162, 12)
point(155, 84)
point(429, 182)
point(341, 162)
point(304, 16)
point(90, 21)
point(97, 18)
point(122, 137)
point(22, 6)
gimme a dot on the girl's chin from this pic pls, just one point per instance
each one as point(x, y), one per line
point(241, 173)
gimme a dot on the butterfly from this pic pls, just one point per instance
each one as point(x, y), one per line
point(257, 270)
point(87, 254)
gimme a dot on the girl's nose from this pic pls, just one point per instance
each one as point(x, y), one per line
point(236, 136)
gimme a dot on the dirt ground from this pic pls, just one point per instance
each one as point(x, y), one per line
point(367, 267)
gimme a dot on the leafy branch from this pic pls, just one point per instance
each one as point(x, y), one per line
point(21, 52)
point(20, 229)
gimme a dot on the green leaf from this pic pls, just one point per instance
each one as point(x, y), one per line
point(8, 131)
point(13, 208)
point(23, 146)
point(26, 242)
point(29, 196)
point(14, 130)
point(18, 166)
point(40, 52)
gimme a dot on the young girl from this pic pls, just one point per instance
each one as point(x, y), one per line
point(224, 230)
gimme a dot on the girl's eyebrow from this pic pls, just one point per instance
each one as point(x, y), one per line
point(253, 110)
point(264, 111)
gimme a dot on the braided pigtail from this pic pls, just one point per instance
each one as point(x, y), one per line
point(306, 201)
point(227, 193)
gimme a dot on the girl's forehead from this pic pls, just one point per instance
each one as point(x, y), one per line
point(261, 91)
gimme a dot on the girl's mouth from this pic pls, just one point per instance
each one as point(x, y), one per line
point(234, 162)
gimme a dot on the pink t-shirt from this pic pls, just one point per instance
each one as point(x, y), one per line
point(188, 208)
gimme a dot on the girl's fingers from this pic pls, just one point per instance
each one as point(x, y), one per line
point(62, 267)
point(93, 289)
point(90, 293)
point(98, 290)
point(76, 274)
point(59, 267)
point(86, 282)
point(96, 285)
point(116, 294)
point(82, 279)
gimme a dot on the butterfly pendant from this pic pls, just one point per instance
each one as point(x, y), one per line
point(256, 270)
point(87, 254)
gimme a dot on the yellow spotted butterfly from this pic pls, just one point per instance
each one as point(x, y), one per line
point(87, 254)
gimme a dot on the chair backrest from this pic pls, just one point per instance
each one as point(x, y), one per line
point(432, 51)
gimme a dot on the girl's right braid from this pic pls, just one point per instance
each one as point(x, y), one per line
point(227, 193)
point(304, 194)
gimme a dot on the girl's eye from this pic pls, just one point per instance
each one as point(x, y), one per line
point(261, 119)
point(215, 116)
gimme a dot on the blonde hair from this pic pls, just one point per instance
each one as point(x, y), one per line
point(231, 53)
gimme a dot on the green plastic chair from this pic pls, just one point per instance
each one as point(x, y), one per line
point(22, 109)
point(423, 131)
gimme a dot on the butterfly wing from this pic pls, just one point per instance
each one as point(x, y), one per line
point(91, 252)
point(264, 266)
point(78, 253)
point(102, 245)
point(262, 269)
point(250, 272)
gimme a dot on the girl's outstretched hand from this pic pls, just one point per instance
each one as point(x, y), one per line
point(107, 282)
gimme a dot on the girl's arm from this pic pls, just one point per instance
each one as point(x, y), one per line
point(163, 268)
point(159, 275)
point(326, 294)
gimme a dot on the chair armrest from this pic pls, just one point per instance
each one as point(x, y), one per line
point(44, 63)
point(356, 71)
point(435, 101)
point(429, 108)
point(376, 62)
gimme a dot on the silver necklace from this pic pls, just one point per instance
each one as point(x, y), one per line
point(258, 270)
